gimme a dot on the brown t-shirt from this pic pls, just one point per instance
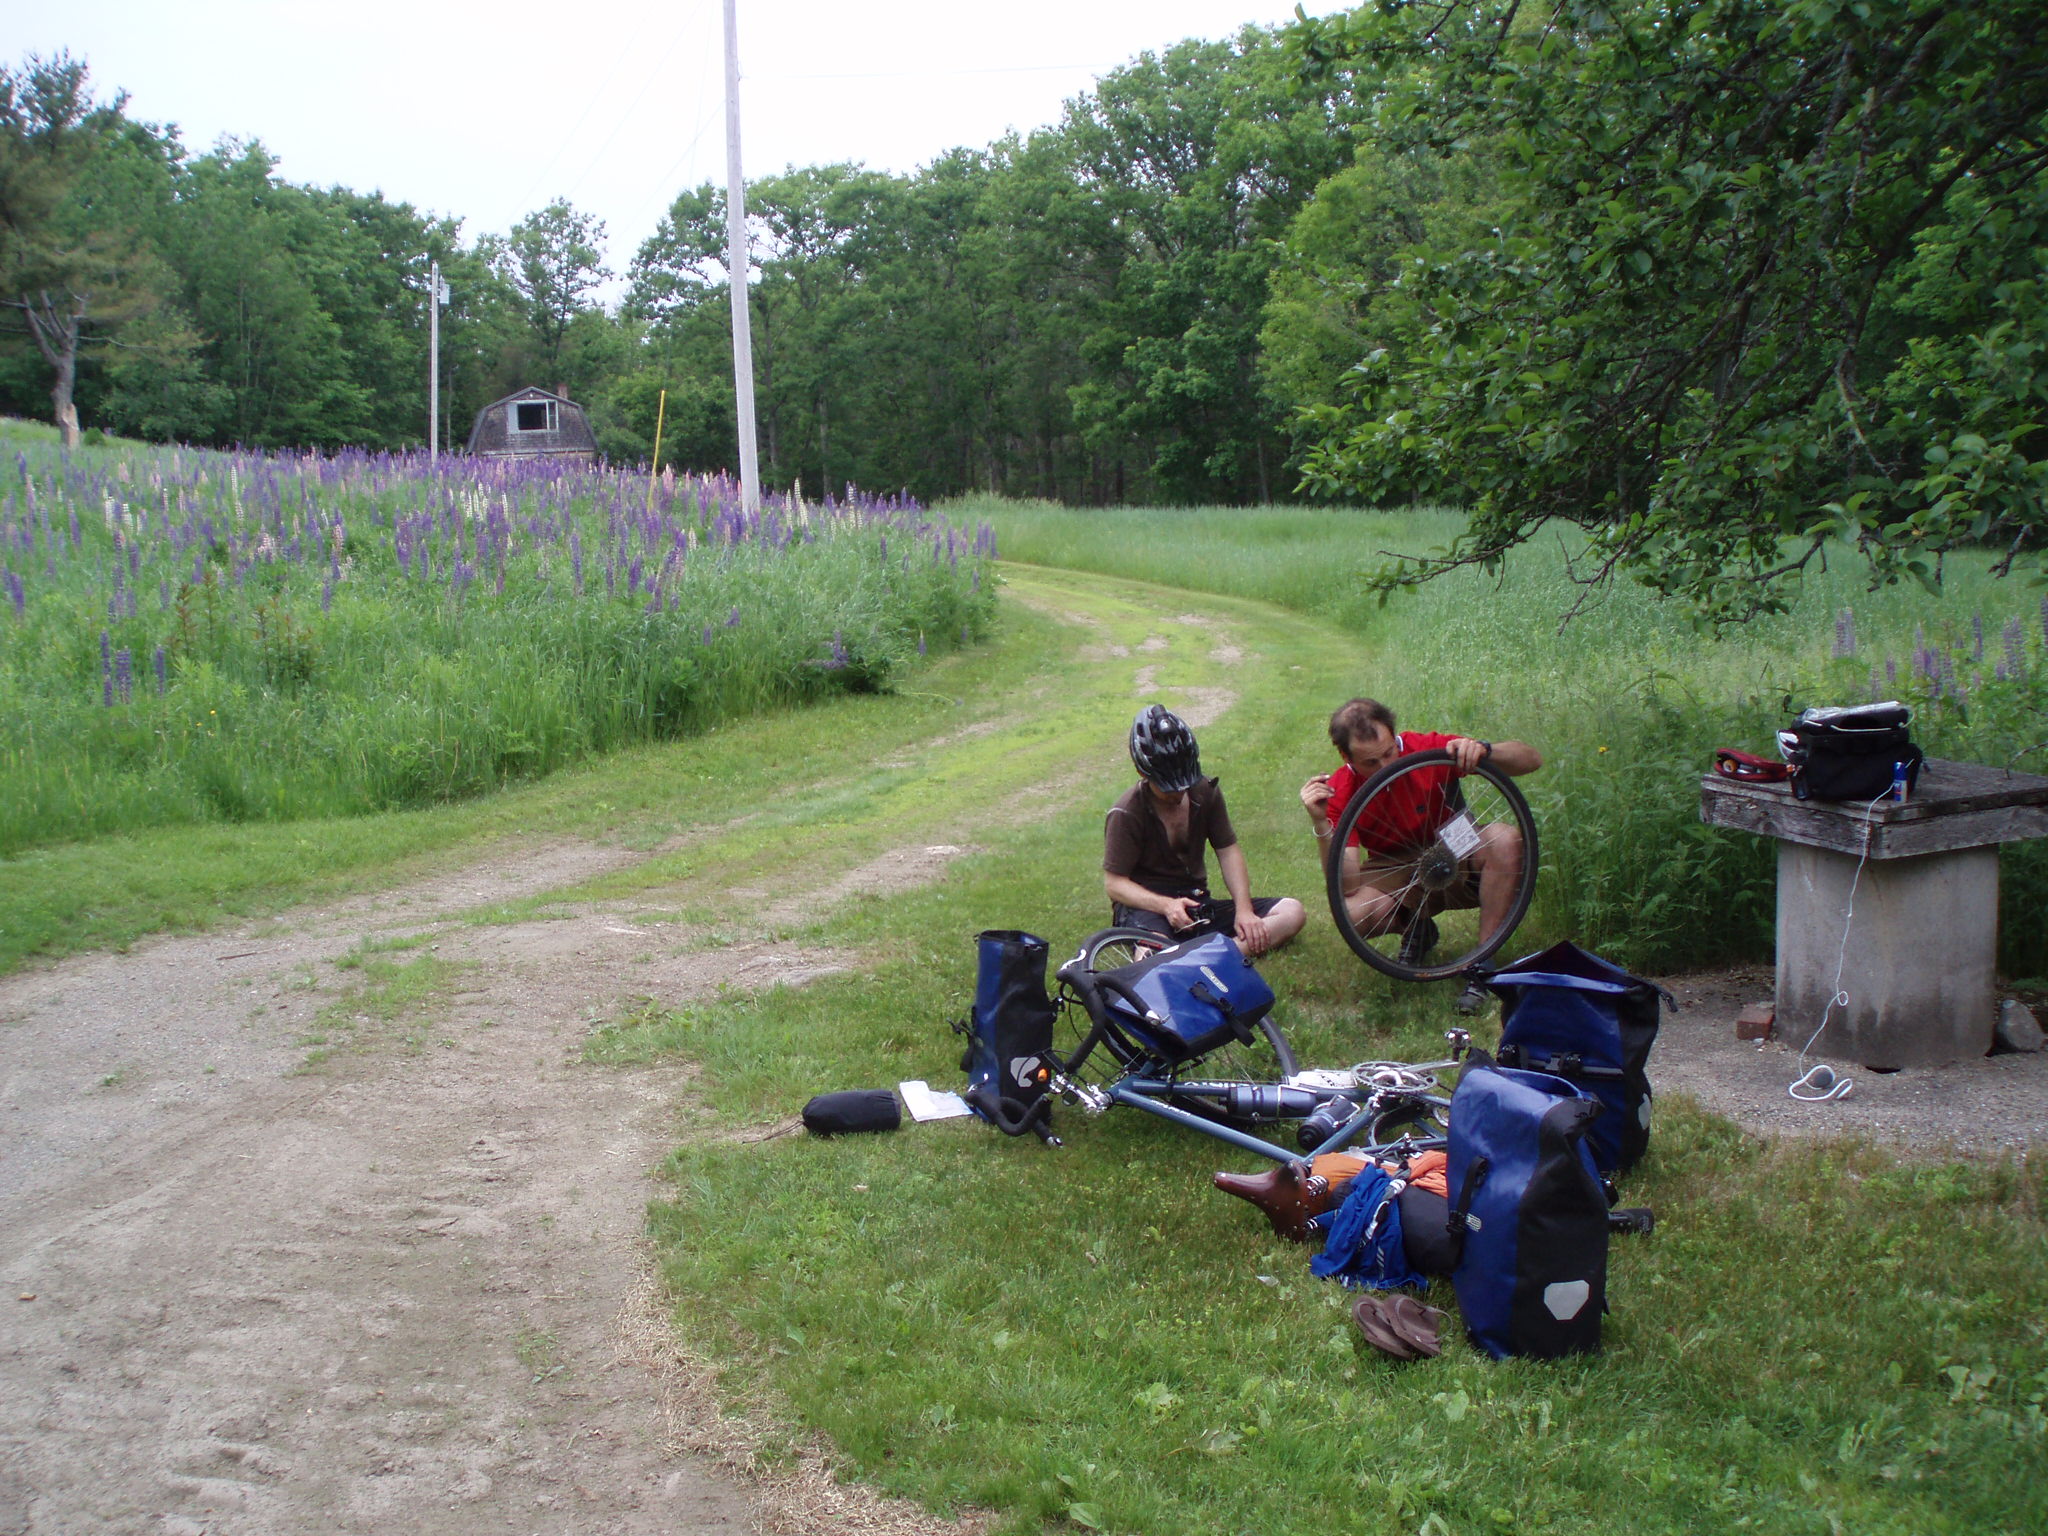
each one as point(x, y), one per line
point(1134, 841)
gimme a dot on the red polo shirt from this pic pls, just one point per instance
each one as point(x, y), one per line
point(1405, 817)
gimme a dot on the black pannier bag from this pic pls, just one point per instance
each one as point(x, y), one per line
point(1009, 1033)
point(1528, 1218)
point(855, 1109)
point(1576, 1016)
point(1850, 753)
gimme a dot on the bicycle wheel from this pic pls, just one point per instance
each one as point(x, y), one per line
point(1265, 1059)
point(1429, 840)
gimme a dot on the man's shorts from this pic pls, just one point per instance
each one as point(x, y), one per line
point(1389, 875)
point(1216, 917)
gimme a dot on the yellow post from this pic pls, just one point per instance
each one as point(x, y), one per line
point(660, 415)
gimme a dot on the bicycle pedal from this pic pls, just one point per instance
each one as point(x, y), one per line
point(1632, 1218)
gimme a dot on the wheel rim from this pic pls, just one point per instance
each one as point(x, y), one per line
point(1414, 817)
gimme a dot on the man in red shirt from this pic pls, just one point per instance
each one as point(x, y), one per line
point(1379, 857)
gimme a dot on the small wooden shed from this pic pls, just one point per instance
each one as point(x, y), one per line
point(532, 423)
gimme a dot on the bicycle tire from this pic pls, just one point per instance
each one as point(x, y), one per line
point(1485, 796)
point(1267, 1058)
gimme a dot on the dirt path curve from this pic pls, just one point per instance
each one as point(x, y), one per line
point(281, 1253)
point(243, 1296)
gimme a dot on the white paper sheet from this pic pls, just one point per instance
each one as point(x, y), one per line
point(925, 1103)
point(1459, 835)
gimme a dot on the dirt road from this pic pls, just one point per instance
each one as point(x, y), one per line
point(401, 1287)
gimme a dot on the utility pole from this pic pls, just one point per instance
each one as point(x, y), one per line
point(437, 295)
point(736, 268)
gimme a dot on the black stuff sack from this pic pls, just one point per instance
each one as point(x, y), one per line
point(1850, 753)
point(1198, 995)
point(1576, 1016)
point(1528, 1217)
point(856, 1109)
point(1009, 1033)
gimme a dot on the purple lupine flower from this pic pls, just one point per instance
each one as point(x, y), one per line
point(106, 669)
point(2015, 637)
point(707, 634)
point(163, 595)
point(732, 620)
point(124, 675)
point(18, 593)
point(1891, 674)
point(1845, 633)
point(576, 560)
point(920, 642)
point(163, 673)
point(838, 652)
point(1977, 637)
point(327, 592)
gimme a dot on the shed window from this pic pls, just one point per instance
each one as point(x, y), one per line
point(533, 416)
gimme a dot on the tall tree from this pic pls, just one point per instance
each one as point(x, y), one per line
point(71, 264)
point(1771, 276)
point(554, 260)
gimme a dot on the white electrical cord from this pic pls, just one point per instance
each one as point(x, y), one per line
point(1820, 1082)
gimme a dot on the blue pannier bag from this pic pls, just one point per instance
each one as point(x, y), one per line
point(1528, 1216)
point(1575, 1016)
point(1008, 1033)
point(1199, 994)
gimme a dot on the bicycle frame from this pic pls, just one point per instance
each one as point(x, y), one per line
point(1150, 1083)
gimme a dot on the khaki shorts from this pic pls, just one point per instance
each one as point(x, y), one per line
point(1387, 874)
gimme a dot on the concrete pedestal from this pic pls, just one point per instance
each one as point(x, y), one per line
point(1919, 968)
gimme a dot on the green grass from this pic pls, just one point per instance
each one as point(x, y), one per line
point(1627, 701)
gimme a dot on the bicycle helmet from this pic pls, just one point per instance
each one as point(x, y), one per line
point(1163, 749)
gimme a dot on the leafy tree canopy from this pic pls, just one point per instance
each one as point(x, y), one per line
point(1767, 274)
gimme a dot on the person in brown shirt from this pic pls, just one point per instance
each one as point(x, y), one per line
point(1154, 842)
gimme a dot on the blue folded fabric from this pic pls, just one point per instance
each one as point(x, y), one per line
point(1364, 1248)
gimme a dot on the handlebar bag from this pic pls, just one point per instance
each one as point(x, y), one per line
point(1009, 1029)
point(1200, 994)
point(1528, 1216)
point(1850, 753)
point(1576, 1016)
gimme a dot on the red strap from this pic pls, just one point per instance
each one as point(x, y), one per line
point(1747, 766)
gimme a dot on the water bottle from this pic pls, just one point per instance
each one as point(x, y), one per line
point(1899, 783)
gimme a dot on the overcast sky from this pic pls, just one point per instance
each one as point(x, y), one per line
point(487, 111)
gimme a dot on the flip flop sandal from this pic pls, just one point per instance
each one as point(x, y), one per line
point(1418, 1326)
point(1369, 1314)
